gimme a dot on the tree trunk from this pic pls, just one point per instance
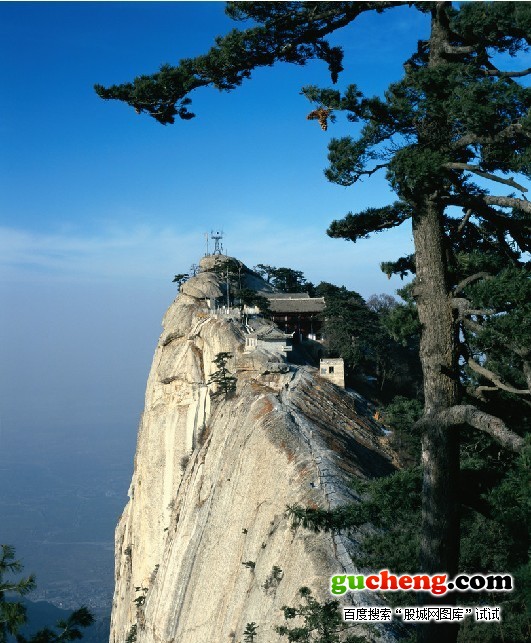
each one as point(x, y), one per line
point(439, 549)
point(440, 446)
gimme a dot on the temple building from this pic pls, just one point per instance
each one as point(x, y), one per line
point(297, 313)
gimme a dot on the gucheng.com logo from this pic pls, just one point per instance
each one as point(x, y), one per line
point(436, 584)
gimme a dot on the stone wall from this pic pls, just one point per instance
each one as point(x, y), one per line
point(333, 370)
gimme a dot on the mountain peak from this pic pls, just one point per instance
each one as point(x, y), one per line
point(206, 521)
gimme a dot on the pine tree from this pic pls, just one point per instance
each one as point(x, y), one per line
point(450, 136)
point(347, 324)
point(250, 633)
point(13, 614)
point(248, 297)
point(285, 279)
point(289, 280)
point(321, 622)
point(225, 382)
point(67, 629)
point(180, 278)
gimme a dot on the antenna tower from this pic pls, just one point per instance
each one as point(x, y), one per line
point(217, 237)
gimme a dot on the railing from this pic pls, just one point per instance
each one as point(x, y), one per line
point(227, 313)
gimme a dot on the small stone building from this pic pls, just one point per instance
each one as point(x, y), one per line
point(333, 370)
point(270, 339)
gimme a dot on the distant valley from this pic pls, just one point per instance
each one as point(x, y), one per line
point(62, 494)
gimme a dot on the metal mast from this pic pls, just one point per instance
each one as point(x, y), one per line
point(217, 237)
point(228, 289)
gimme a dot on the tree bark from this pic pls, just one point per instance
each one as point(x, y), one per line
point(440, 446)
point(439, 551)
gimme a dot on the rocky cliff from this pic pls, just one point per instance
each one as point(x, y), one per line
point(206, 521)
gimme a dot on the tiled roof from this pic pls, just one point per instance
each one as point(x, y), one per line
point(273, 335)
point(270, 333)
point(300, 305)
point(287, 295)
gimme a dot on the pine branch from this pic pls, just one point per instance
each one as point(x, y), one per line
point(333, 520)
point(471, 415)
point(470, 280)
point(452, 50)
point(493, 71)
point(481, 389)
point(22, 587)
point(472, 326)
point(373, 170)
point(468, 167)
point(518, 229)
point(508, 202)
point(491, 376)
point(523, 353)
point(508, 132)
point(361, 225)
point(464, 221)
point(293, 35)
point(401, 267)
point(463, 305)
point(7, 560)
point(527, 369)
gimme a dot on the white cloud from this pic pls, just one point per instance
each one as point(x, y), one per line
point(113, 253)
point(150, 253)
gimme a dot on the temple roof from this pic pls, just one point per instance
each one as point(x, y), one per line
point(287, 295)
point(301, 304)
point(270, 333)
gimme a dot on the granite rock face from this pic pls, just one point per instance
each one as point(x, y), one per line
point(206, 521)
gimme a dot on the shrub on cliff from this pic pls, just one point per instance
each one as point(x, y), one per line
point(224, 380)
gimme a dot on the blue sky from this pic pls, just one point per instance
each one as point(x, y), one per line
point(100, 207)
